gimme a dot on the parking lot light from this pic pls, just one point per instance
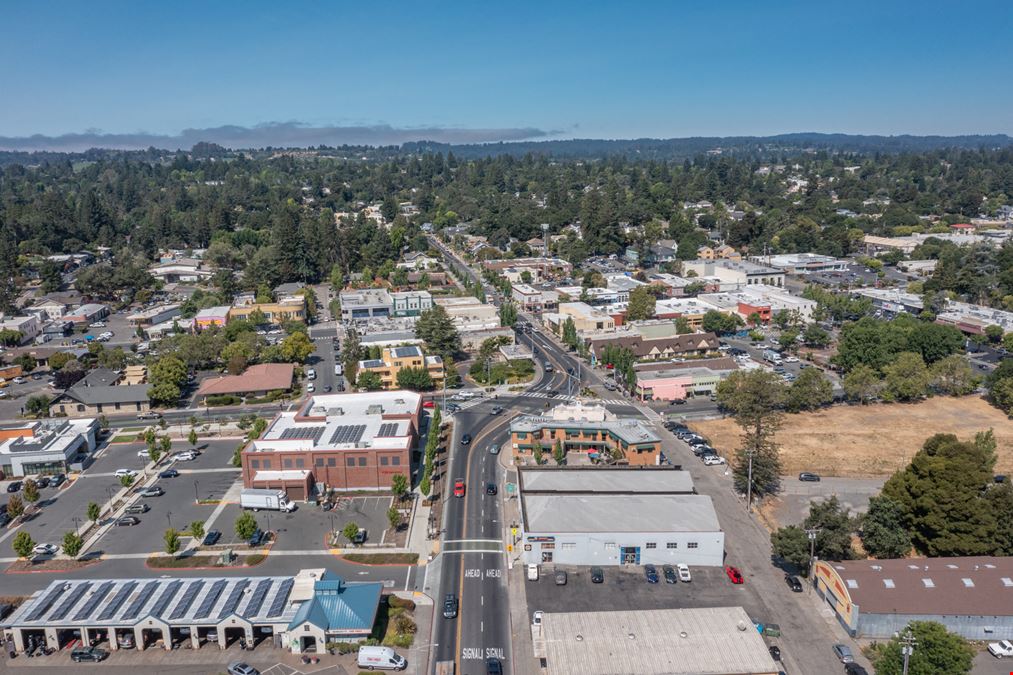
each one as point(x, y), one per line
point(196, 495)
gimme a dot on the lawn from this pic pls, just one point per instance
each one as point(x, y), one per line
point(874, 440)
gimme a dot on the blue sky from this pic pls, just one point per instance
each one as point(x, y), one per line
point(584, 69)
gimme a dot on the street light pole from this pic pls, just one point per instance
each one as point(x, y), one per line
point(168, 517)
point(749, 483)
point(196, 495)
point(811, 533)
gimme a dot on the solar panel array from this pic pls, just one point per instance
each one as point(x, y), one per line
point(351, 433)
point(210, 599)
point(96, 597)
point(69, 602)
point(303, 433)
point(257, 599)
point(280, 600)
point(405, 352)
point(387, 429)
point(46, 603)
point(233, 600)
point(164, 599)
point(140, 601)
point(117, 601)
point(191, 592)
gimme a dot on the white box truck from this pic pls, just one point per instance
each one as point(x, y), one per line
point(382, 658)
point(272, 500)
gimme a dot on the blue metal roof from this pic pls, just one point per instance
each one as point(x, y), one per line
point(337, 606)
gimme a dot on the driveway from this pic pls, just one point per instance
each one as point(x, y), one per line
point(796, 495)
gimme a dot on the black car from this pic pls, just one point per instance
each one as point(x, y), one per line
point(597, 575)
point(553, 392)
point(651, 574)
point(57, 480)
point(258, 538)
point(450, 606)
point(15, 486)
point(807, 477)
point(854, 669)
point(42, 482)
point(327, 388)
point(794, 583)
point(466, 439)
point(775, 652)
point(168, 473)
point(490, 488)
point(669, 573)
point(127, 521)
point(93, 654)
point(493, 667)
point(211, 538)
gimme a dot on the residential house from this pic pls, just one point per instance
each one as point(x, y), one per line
point(255, 382)
point(100, 393)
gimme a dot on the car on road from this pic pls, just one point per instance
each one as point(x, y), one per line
point(843, 652)
point(794, 583)
point(240, 668)
point(490, 488)
point(536, 617)
point(496, 410)
point(684, 574)
point(775, 652)
point(790, 359)
point(494, 449)
point(143, 454)
point(450, 606)
point(734, 575)
point(149, 415)
point(93, 654)
point(15, 486)
point(311, 388)
point(1000, 649)
point(45, 549)
point(327, 388)
point(669, 573)
point(453, 407)
point(18, 380)
point(139, 507)
point(651, 574)
point(553, 393)
point(808, 477)
point(211, 538)
point(168, 473)
point(597, 575)
point(459, 487)
point(466, 439)
point(127, 521)
point(532, 572)
point(493, 666)
point(560, 577)
point(712, 460)
point(152, 491)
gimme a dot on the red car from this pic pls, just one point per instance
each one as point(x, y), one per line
point(734, 575)
point(459, 488)
point(429, 404)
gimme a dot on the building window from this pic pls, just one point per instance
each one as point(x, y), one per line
point(652, 544)
point(692, 544)
point(254, 463)
point(383, 461)
point(319, 461)
point(362, 461)
point(395, 461)
point(350, 461)
point(287, 462)
point(548, 546)
point(610, 545)
point(299, 463)
point(267, 464)
point(671, 545)
point(80, 408)
point(332, 461)
point(568, 545)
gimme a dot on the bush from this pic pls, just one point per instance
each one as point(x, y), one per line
point(403, 603)
point(222, 399)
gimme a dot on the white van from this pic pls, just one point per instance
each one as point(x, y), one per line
point(382, 658)
point(339, 369)
point(532, 572)
point(311, 374)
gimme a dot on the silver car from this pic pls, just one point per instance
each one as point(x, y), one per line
point(240, 668)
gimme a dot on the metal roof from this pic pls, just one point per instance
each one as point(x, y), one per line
point(641, 480)
point(566, 513)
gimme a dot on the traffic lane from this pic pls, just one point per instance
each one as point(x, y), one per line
point(484, 616)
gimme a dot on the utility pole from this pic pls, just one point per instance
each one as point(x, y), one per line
point(811, 533)
point(908, 648)
point(749, 483)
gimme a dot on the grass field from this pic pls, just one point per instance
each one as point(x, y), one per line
point(873, 440)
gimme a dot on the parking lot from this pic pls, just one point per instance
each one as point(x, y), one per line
point(796, 496)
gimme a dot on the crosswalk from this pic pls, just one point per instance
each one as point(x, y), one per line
point(564, 397)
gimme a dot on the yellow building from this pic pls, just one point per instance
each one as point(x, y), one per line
point(395, 359)
point(290, 308)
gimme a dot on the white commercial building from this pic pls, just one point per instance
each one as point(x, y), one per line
point(802, 263)
point(469, 313)
point(735, 273)
point(627, 516)
point(46, 446)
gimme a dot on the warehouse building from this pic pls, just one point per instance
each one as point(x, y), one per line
point(971, 596)
point(300, 613)
point(712, 640)
point(616, 516)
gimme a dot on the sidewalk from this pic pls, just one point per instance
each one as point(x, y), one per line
point(523, 651)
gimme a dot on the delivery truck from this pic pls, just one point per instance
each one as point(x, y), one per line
point(271, 500)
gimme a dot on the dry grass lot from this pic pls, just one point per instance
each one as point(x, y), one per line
point(874, 440)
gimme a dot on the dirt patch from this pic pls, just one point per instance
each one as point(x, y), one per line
point(201, 561)
point(874, 440)
point(57, 565)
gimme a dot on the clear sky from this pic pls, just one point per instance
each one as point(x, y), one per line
point(509, 69)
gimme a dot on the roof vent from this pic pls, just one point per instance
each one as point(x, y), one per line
point(968, 583)
point(888, 583)
point(929, 583)
point(683, 634)
point(631, 636)
point(579, 638)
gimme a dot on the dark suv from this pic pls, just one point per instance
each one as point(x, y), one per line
point(794, 583)
point(93, 654)
point(450, 606)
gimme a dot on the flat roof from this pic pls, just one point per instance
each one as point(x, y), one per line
point(630, 430)
point(711, 640)
point(608, 481)
point(566, 513)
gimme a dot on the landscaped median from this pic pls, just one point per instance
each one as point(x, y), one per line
point(165, 561)
point(381, 558)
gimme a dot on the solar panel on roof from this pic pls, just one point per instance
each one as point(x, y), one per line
point(210, 599)
point(97, 596)
point(117, 601)
point(405, 352)
point(163, 600)
point(281, 599)
point(191, 592)
point(233, 600)
point(257, 599)
point(142, 599)
point(351, 433)
point(387, 429)
point(303, 433)
point(69, 602)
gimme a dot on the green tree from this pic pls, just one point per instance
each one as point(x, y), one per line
point(811, 390)
point(93, 511)
point(906, 379)
point(953, 376)
point(507, 313)
point(570, 333)
point(833, 526)
point(994, 334)
point(237, 455)
point(558, 453)
point(245, 525)
point(37, 406)
point(23, 544)
point(718, 322)
point(399, 486)
point(394, 517)
point(791, 544)
point(349, 531)
point(296, 348)
point(425, 486)
point(754, 399)
point(437, 330)
point(937, 651)
point(197, 530)
point(641, 305)
point(862, 383)
point(15, 507)
point(171, 540)
point(126, 480)
point(415, 379)
point(72, 543)
point(882, 529)
point(192, 437)
point(165, 445)
point(682, 326)
point(352, 354)
point(369, 381)
point(31, 491)
point(154, 452)
point(814, 336)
